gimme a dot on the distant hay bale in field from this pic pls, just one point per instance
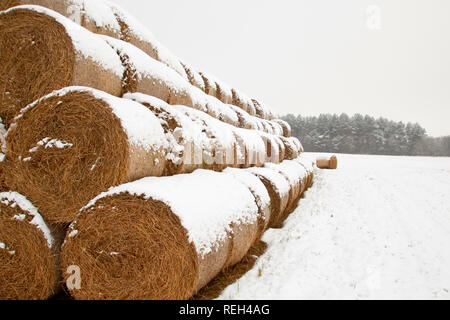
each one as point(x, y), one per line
point(149, 76)
point(243, 102)
point(158, 238)
point(278, 188)
point(287, 131)
point(250, 148)
point(324, 162)
point(194, 77)
point(291, 151)
point(28, 262)
point(43, 51)
point(82, 142)
point(260, 194)
point(186, 138)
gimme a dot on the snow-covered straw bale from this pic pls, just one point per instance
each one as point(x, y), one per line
point(74, 143)
point(158, 238)
point(186, 138)
point(297, 176)
point(243, 101)
point(149, 76)
point(278, 188)
point(286, 127)
point(28, 264)
point(43, 51)
point(291, 150)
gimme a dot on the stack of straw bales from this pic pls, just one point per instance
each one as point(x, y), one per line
point(90, 101)
point(105, 18)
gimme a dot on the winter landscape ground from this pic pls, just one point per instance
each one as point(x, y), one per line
point(376, 228)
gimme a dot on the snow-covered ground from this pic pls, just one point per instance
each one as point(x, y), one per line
point(376, 228)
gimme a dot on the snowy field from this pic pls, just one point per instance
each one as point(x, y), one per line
point(376, 228)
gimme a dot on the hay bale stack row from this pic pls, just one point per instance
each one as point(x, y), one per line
point(107, 19)
point(165, 238)
point(88, 112)
point(83, 141)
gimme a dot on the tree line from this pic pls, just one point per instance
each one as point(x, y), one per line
point(361, 134)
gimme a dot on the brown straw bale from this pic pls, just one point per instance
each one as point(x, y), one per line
point(38, 56)
point(271, 146)
point(290, 148)
point(282, 148)
point(242, 101)
point(326, 162)
point(250, 148)
point(149, 76)
point(210, 84)
point(277, 128)
point(184, 136)
point(216, 109)
point(287, 131)
point(81, 143)
point(134, 248)
point(129, 245)
point(298, 144)
point(83, 13)
point(224, 93)
point(259, 192)
point(28, 259)
point(278, 189)
point(194, 77)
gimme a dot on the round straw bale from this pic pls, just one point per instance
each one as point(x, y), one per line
point(76, 142)
point(221, 111)
point(277, 128)
point(96, 16)
point(271, 146)
point(308, 164)
point(28, 264)
point(251, 148)
point(278, 188)
point(287, 131)
point(324, 162)
point(224, 93)
point(43, 51)
point(262, 111)
point(245, 121)
point(137, 34)
point(157, 238)
point(243, 102)
point(219, 151)
point(194, 77)
point(210, 84)
point(297, 144)
point(260, 194)
point(290, 147)
point(297, 177)
point(282, 148)
point(149, 76)
point(185, 137)
point(267, 126)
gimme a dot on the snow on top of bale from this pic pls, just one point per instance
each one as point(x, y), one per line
point(279, 181)
point(99, 12)
point(146, 65)
point(140, 124)
point(292, 170)
point(253, 183)
point(223, 200)
point(84, 41)
point(14, 199)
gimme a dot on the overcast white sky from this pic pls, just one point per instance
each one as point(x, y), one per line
point(318, 56)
